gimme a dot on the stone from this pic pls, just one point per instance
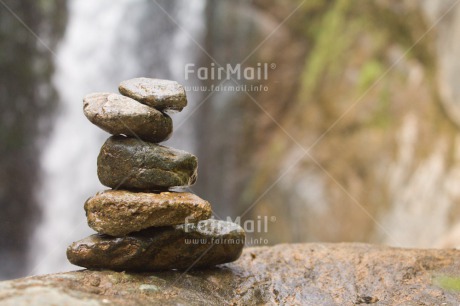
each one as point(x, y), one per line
point(204, 244)
point(285, 274)
point(119, 212)
point(132, 164)
point(117, 114)
point(163, 95)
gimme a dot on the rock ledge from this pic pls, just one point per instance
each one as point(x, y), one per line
point(288, 274)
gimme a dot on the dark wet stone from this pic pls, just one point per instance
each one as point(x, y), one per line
point(120, 212)
point(129, 163)
point(117, 114)
point(164, 95)
point(205, 244)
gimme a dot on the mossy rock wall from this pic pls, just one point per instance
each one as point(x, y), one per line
point(353, 141)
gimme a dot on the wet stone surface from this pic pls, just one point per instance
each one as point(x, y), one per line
point(120, 212)
point(287, 274)
point(131, 164)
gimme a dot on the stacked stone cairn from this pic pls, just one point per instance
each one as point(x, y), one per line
point(142, 224)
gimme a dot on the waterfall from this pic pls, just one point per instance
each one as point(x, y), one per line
point(105, 42)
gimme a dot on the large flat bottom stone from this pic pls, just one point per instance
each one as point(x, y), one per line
point(205, 244)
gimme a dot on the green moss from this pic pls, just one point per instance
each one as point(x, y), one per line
point(382, 116)
point(448, 282)
point(331, 42)
point(338, 31)
point(370, 73)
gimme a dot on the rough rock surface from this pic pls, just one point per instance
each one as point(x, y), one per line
point(205, 244)
point(164, 95)
point(120, 212)
point(133, 164)
point(117, 115)
point(296, 274)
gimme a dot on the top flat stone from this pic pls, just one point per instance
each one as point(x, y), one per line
point(163, 95)
point(117, 114)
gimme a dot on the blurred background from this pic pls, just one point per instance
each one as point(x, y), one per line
point(356, 139)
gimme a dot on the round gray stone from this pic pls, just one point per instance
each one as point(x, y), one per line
point(164, 95)
point(132, 164)
point(119, 212)
point(118, 114)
